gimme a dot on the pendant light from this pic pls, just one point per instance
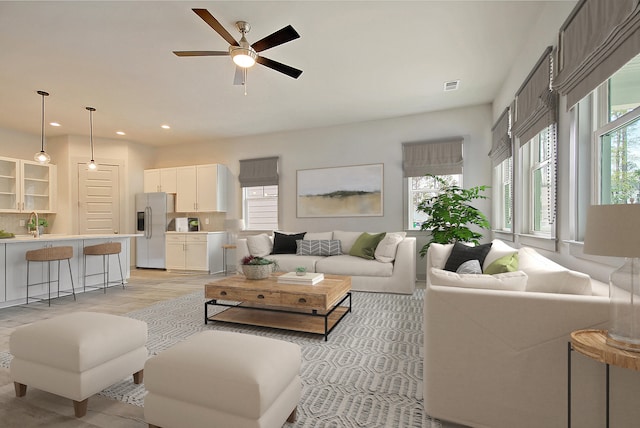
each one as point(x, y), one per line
point(91, 165)
point(42, 157)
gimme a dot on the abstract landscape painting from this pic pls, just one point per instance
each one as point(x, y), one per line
point(347, 191)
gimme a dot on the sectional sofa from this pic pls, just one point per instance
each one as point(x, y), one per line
point(391, 271)
point(496, 346)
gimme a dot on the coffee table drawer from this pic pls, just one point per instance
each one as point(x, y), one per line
point(303, 301)
point(253, 296)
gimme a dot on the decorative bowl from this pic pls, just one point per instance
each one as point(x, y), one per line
point(257, 271)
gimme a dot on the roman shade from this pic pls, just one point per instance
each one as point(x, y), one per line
point(437, 157)
point(501, 139)
point(596, 40)
point(258, 172)
point(535, 104)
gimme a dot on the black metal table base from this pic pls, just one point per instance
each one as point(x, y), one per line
point(607, 375)
point(313, 313)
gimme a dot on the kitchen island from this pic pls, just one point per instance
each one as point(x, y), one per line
point(13, 290)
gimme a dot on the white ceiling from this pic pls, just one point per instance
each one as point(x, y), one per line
point(361, 60)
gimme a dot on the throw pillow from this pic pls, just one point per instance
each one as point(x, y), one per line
point(508, 263)
point(498, 249)
point(346, 239)
point(386, 249)
point(470, 266)
point(510, 281)
point(366, 244)
point(321, 247)
point(285, 244)
point(461, 253)
point(259, 245)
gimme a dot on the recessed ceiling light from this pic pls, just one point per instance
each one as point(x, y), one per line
point(120, 133)
point(165, 127)
point(54, 124)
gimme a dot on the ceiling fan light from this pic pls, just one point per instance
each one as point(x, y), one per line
point(243, 57)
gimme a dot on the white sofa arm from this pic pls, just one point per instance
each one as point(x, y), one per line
point(499, 358)
point(242, 250)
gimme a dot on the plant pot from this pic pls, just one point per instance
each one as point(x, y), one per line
point(257, 271)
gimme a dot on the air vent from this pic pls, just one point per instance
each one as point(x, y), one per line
point(451, 85)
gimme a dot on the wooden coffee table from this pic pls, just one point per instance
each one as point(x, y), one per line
point(268, 303)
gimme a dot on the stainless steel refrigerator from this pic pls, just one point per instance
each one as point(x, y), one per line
point(152, 218)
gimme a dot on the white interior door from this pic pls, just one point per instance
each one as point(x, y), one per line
point(98, 200)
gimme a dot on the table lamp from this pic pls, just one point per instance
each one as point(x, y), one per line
point(614, 231)
point(233, 226)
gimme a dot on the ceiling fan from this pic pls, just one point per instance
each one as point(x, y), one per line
point(243, 54)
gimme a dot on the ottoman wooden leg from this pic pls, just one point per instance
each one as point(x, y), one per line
point(80, 407)
point(293, 416)
point(138, 376)
point(21, 390)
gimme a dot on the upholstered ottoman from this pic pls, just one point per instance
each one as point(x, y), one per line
point(77, 355)
point(223, 379)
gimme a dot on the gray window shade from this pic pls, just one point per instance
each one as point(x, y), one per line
point(535, 105)
point(258, 172)
point(437, 157)
point(501, 139)
point(596, 40)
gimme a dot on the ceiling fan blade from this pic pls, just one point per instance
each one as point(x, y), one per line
point(238, 78)
point(201, 53)
point(213, 23)
point(277, 66)
point(281, 36)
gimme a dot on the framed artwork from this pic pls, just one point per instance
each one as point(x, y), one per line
point(346, 191)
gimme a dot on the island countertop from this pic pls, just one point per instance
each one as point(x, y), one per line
point(54, 237)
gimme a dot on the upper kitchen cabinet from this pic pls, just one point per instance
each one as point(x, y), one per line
point(160, 180)
point(201, 188)
point(27, 186)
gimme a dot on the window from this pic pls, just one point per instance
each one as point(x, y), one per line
point(538, 166)
point(503, 195)
point(260, 207)
point(423, 187)
point(606, 128)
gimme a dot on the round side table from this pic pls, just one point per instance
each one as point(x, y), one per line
point(593, 344)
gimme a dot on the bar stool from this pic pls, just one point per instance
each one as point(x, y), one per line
point(50, 254)
point(105, 250)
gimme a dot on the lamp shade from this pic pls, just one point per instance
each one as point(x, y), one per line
point(234, 224)
point(613, 230)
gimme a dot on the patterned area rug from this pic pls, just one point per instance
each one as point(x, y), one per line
point(369, 373)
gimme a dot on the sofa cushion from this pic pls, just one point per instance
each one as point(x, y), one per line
point(353, 266)
point(259, 245)
point(313, 236)
point(470, 266)
point(438, 254)
point(511, 281)
point(366, 244)
point(508, 263)
point(386, 249)
point(546, 276)
point(346, 239)
point(284, 243)
point(461, 253)
point(322, 247)
point(289, 262)
point(498, 249)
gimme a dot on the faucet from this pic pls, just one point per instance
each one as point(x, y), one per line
point(36, 231)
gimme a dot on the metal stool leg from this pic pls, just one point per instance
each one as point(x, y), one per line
point(121, 275)
point(49, 280)
point(105, 273)
point(28, 281)
point(73, 287)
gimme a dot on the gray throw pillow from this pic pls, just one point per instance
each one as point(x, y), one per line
point(470, 266)
point(320, 247)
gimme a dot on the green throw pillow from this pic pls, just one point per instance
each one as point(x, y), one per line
point(508, 263)
point(365, 245)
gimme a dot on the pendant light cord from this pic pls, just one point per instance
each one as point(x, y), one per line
point(91, 110)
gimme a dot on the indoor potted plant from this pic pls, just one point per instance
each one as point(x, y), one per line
point(42, 223)
point(450, 214)
point(257, 267)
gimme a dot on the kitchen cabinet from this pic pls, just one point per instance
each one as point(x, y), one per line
point(160, 180)
point(27, 186)
point(201, 188)
point(194, 251)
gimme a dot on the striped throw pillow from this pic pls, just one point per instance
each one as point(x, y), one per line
point(321, 247)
